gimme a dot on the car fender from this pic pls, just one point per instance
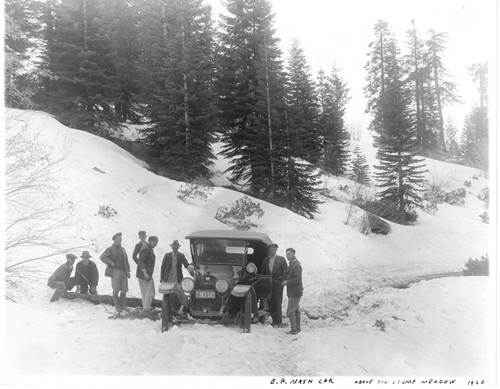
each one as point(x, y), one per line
point(241, 290)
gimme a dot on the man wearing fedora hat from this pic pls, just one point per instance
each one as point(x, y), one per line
point(171, 271)
point(86, 274)
point(275, 265)
point(118, 268)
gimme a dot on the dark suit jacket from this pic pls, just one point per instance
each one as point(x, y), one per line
point(280, 268)
point(146, 260)
point(166, 266)
point(294, 286)
point(137, 248)
point(88, 273)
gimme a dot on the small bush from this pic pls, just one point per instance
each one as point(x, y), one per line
point(374, 224)
point(193, 191)
point(484, 195)
point(467, 184)
point(456, 197)
point(475, 177)
point(107, 211)
point(485, 217)
point(344, 188)
point(240, 213)
point(477, 267)
point(380, 324)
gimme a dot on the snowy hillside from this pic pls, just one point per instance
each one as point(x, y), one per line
point(348, 278)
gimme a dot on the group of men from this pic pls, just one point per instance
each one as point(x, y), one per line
point(118, 268)
point(283, 275)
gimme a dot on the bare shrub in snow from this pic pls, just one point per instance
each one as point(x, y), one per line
point(106, 211)
point(35, 215)
point(194, 191)
point(467, 184)
point(240, 214)
point(477, 267)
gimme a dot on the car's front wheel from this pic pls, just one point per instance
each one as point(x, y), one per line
point(166, 313)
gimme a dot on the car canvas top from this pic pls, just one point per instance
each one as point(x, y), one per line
point(230, 234)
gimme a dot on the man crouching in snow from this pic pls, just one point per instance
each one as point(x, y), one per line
point(118, 269)
point(61, 280)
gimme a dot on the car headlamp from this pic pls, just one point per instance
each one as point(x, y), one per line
point(221, 285)
point(251, 268)
point(187, 284)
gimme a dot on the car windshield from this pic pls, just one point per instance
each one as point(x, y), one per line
point(223, 251)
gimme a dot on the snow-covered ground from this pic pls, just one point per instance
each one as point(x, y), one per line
point(433, 328)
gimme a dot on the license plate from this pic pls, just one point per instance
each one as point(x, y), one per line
point(204, 294)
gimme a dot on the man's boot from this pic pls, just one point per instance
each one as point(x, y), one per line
point(293, 324)
point(123, 302)
point(297, 318)
point(116, 301)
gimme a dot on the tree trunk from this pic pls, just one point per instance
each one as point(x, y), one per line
point(269, 122)
point(106, 299)
point(184, 79)
point(438, 98)
point(417, 89)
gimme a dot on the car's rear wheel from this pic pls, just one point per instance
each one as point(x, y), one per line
point(166, 313)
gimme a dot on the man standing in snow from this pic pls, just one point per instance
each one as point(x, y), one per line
point(86, 274)
point(294, 290)
point(118, 269)
point(61, 280)
point(145, 269)
point(171, 271)
point(138, 246)
point(276, 266)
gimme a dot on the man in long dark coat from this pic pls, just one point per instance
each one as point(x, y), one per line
point(276, 266)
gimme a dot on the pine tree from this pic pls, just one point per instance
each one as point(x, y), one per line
point(419, 79)
point(120, 23)
point(21, 32)
point(250, 84)
point(474, 140)
point(360, 171)
point(82, 87)
point(254, 114)
point(479, 73)
point(302, 106)
point(443, 90)
point(334, 96)
point(399, 173)
point(177, 36)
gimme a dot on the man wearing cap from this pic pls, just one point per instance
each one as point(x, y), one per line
point(61, 280)
point(118, 268)
point(145, 269)
point(276, 266)
point(86, 274)
point(171, 271)
point(294, 290)
point(138, 246)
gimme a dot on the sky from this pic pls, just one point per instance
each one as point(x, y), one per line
point(339, 31)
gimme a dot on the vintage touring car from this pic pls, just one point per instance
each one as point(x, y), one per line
point(227, 283)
